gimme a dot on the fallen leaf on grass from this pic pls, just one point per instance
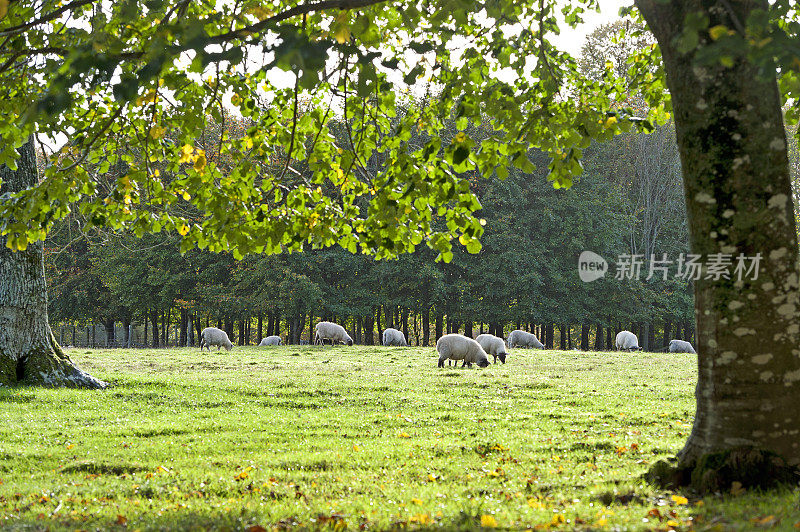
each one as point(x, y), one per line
point(403, 435)
point(766, 522)
point(122, 520)
point(736, 488)
point(423, 519)
point(256, 528)
point(488, 521)
point(679, 500)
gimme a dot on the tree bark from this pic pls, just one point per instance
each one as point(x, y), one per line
point(426, 327)
point(369, 330)
point(732, 144)
point(438, 325)
point(598, 338)
point(584, 337)
point(29, 352)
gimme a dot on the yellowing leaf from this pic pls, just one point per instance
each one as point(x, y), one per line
point(736, 488)
point(461, 137)
point(183, 229)
point(423, 519)
point(157, 132)
point(3, 8)
point(416, 501)
point(679, 500)
point(403, 435)
point(557, 520)
point(611, 120)
point(488, 521)
point(200, 163)
point(718, 31)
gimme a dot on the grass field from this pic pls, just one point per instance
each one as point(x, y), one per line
point(360, 438)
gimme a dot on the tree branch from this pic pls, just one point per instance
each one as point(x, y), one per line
point(13, 30)
point(301, 9)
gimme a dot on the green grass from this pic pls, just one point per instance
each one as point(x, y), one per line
point(364, 437)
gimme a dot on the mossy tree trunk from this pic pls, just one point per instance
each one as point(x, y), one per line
point(29, 353)
point(730, 133)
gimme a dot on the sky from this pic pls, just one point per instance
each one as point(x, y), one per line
point(571, 40)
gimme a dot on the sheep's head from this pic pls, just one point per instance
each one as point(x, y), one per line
point(483, 362)
point(349, 341)
point(502, 357)
point(229, 347)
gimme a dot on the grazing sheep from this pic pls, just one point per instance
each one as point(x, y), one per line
point(681, 346)
point(326, 330)
point(520, 338)
point(271, 340)
point(627, 341)
point(493, 345)
point(213, 336)
point(458, 347)
point(394, 337)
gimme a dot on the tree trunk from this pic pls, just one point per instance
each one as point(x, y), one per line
point(563, 339)
point(29, 352)
point(584, 337)
point(599, 345)
point(426, 327)
point(260, 328)
point(732, 144)
point(270, 324)
point(610, 338)
point(468, 328)
point(667, 332)
point(438, 326)
point(184, 322)
point(154, 321)
point(369, 330)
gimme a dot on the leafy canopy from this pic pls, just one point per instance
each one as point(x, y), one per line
point(135, 85)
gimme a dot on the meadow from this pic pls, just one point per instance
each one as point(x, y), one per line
point(361, 438)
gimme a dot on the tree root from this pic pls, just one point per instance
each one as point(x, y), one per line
point(47, 366)
point(721, 471)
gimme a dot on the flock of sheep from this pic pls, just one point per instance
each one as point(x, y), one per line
point(451, 347)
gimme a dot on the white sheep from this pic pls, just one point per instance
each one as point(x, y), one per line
point(627, 341)
point(271, 340)
point(213, 336)
point(458, 347)
point(394, 337)
point(681, 346)
point(520, 338)
point(493, 345)
point(326, 330)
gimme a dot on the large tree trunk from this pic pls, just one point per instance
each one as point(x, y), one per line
point(29, 352)
point(732, 144)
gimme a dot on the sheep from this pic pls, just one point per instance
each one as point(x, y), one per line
point(520, 338)
point(393, 337)
point(213, 336)
point(271, 340)
point(458, 347)
point(681, 346)
point(494, 346)
point(627, 341)
point(326, 330)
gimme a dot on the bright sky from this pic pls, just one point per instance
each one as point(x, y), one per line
point(572, 40)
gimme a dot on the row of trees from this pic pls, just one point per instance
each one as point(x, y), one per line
point(627, 202)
